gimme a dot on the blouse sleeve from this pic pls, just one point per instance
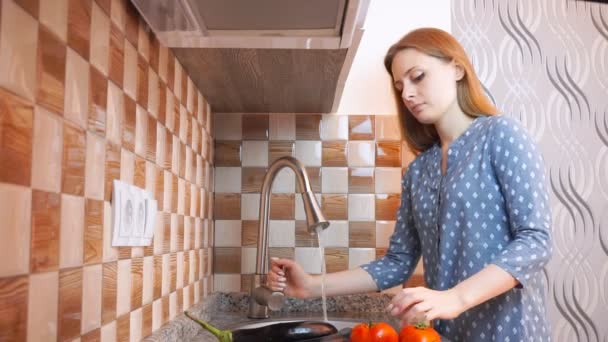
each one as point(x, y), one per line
point(519, 169)
point(404, 249)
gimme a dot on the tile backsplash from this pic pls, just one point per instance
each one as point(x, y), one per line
point(355, 165)
point(89, 95)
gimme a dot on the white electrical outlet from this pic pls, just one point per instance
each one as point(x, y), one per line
point(133, 215)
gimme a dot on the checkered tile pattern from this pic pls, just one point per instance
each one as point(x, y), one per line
point(88, 95)
point(355, 165)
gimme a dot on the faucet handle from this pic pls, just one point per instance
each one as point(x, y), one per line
point(265, 296)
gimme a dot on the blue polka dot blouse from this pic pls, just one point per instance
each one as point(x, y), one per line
point(491, 207)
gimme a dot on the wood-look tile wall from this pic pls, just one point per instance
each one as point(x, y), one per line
point(355, 164)
point(88, 95)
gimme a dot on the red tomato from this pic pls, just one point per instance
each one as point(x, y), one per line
point(376, 332)
point(418, 333)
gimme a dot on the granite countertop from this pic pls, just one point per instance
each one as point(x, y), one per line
point(228, 310)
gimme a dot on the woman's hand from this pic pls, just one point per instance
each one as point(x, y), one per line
point(420, 304)
point(290, 278)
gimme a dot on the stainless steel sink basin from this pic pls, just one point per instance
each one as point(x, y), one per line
point(339, 324)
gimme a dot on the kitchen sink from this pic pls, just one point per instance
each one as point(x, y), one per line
point(339, 324)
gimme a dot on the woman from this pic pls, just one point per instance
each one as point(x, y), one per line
point(473, 204)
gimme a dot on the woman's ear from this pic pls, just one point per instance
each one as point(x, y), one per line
point(459, 71)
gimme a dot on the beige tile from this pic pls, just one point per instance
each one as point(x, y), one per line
point(123, 287)
point(15, 210)
point(76, 89)
point(361, 153)
point(336, 235)
point(361, 207)
point(42, 321)
point(255, 153)
point(95, 167)
point(118, 14)
point(248, 260)
point(309, 258)
point(281, 233)
point(177, 83)
point(387, 127)
point(163, 52)
point(127, 166)
point(227, 282)
point(157, 313)
point(334, 127)
point(334, 180)
point(148, 280)
point(109, 253)
point(141, 131)
point(309, 152)
point(175, 154)
point(100, 39)
point(91, 298)
point(115, 114)
point(153, 93)
point(284, 181)
point(168, 191)
point(72, 231)
point(384, 230)
point(360, 256)
point(388, 180)
point(183, 123)
point(228, 179)
point(250, 204)
point(47, 151)
point(228, 126)
point(143, 42)
point(108, 332)
point(165, 275)
point(179, 283)
point(18, 44)
point(135, 325)
point(54, 15)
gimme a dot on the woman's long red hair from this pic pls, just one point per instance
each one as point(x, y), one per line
point(471, 97)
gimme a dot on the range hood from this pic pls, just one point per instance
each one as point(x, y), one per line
point(262, 55)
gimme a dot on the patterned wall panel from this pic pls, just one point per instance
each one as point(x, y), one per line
point(546, 63)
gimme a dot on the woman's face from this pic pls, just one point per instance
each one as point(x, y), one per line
point(427, 84)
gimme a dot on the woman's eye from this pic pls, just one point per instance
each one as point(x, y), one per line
point(418, 78)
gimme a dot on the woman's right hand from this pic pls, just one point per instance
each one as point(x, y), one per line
point(289, 277)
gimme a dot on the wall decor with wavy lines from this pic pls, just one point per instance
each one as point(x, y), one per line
point(545, 62)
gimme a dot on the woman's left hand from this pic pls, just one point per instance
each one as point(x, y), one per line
point(420, 304)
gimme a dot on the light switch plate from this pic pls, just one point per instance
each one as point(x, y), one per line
point(133, 215)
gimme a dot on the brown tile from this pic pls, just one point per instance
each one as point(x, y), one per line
point(171, 71)
point(227, 153)
point(179, 295)
point(154, 52)
point(361, 180)
point(182, 160)
point(227, 260)
point(303, 237)
point(137, 275)
point(180, 232)
point(70, 304)
point(162, 102)
point(117, 47)
point(159, 188)
point(282, 206)
point(123, 328)
point(132, 23)
point(51, 71)
point(308, 127)
point(16, 130)
point(362, 234)
point(184, 85)
point(74, 147)
point(79, 26)
point(174, 198)
point(98, 97)
point(227, 206)
point(165, 309)
point(31, 6)
point(388, 153)
point(172, 271)
point(92, 336)
point(380, 252)
point(13, 308)
point(93, 231)
point(249, 233)
point(281, 252)
point(186, 269)
point(125, 252)
point(168, 150)
point(336, 259)
point(277, 149)
point(139, 177)
point(252, 179)
point(158, 277)
point(112, 171)
point(255, 126)
point(334, 153)
point(46, 216)
point(105, 5)
point(361, 127)
point(387, 206)
point(415, 280)
point(335, 207)
point(146, 326)
point(128, 127)
point(142, 81)
point(108, 308)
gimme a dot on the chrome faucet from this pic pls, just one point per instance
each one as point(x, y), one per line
point(261, 297)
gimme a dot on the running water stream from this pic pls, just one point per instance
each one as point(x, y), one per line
point(322, 252)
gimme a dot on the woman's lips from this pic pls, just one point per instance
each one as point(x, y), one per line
point(417, 108)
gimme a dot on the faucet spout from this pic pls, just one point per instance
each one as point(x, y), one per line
point(259, 300)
